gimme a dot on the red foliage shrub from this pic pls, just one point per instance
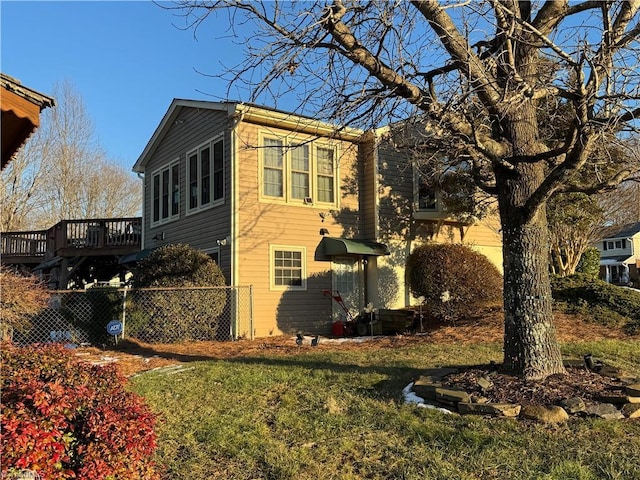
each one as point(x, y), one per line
point(63, 418)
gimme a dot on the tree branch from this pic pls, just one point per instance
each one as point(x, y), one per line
point(456, 45)
point(358, 54)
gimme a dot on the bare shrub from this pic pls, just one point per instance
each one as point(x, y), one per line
point(23, 296)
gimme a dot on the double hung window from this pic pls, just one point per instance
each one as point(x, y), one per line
point(166, 194)
point(288, 268)
point(613, 245)
point(298, 172)
point(205, 174)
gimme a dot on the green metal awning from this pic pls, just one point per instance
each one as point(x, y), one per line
point(137, 256)
point(341, 246)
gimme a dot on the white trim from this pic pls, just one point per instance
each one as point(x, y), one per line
point(287, 248)
point(235, 202)
point(611, 261)
point(213, 250)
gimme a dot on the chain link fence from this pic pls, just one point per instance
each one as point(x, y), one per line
point(151, 315)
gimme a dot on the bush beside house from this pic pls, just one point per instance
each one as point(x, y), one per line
point(453, 279)
point(589, 263)
point(188, 313)
point(598, 301)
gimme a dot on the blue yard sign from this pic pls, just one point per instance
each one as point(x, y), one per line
point(114, 327)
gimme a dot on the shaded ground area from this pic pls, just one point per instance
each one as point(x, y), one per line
point(133, 357)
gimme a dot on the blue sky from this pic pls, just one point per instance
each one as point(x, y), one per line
point(126, 59)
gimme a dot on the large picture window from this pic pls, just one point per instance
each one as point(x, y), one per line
point(205, 173)
point(298, 172)
point(166, 194)
point(288, 268)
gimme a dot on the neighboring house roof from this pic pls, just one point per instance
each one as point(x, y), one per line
point(625, 231)
point(21, 107)
point(617, 260)
point(248, 112)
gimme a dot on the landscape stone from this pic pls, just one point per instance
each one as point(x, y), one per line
point(427, 391)
point(545, 414)
point(573, 363)
point(608, 371)
point(496, 409)
point(628, 380)
point(616, 399)
point(633, 390)
point(604, 410)
point(479, 399)
point(631, 410)
point(573, 405)
point(452, 395)
point(428, 380)
point(627, 403)
point(440, 373)
point(484, 383)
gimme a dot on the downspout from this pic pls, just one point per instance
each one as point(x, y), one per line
point(371, 263)
point(144, 199)
point(238, 116)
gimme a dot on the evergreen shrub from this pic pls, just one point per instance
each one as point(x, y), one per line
point(454, 279)
point(589, 263)
point(187, 313)
point(598, 301)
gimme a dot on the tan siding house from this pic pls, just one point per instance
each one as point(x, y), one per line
point(291, 206)
point(287, 183)
point(406, 221)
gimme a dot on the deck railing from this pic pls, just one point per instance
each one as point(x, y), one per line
point(24, 244)
point(107, 233)
point(98, 233)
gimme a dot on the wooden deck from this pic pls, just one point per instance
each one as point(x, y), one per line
point(72, 238)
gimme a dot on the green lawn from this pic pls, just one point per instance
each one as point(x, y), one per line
point(325, 414)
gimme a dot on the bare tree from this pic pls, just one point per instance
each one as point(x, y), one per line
point(477, 72)
point(622, 205)
point(20, 189)
point(63, 173)
point(575, 220)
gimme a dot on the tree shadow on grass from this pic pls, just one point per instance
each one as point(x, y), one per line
point(395, 377)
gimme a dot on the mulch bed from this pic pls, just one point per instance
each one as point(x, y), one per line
point(578, 382)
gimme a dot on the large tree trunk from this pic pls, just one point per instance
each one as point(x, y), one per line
point(531, 349)
point(530, 345)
